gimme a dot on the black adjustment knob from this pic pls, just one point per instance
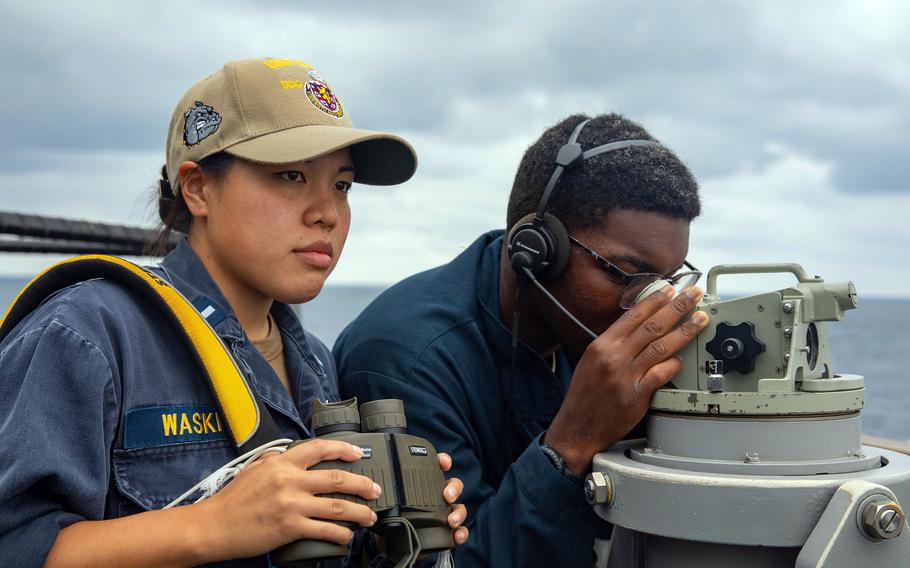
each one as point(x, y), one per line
point(732, 347)
point(737, 346)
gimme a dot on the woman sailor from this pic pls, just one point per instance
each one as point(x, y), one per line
point(103, 417)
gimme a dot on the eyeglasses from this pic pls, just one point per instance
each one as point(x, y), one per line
point(633, 283)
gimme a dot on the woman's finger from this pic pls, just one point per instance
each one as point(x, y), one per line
point(331, 509)
point(318, 450)
point(322, 530)
point(339, 481)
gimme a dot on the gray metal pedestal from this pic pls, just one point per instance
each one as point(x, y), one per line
point(672, 517)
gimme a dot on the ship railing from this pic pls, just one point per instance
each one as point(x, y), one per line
point(27, 233)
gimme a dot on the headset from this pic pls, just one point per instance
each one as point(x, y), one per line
point(539, 247)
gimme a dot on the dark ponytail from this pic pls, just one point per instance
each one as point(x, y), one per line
point(175, 216)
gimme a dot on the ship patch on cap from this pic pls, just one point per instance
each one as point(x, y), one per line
point(322, 96)
point(201, 122)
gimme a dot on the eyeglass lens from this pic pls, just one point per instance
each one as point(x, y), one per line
point(637, 284)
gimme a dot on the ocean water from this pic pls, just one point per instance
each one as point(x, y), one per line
point(872, 341)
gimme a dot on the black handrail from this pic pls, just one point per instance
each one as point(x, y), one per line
point(22, 232)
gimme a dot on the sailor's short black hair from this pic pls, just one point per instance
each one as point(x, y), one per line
point(643, 178)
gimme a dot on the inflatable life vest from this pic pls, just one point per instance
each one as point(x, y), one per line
point(249, 422)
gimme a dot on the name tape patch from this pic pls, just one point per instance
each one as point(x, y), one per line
point(165, 425)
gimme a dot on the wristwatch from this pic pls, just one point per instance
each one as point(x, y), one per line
point(558, 461)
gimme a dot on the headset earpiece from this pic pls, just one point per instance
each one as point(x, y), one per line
point(540, 246)
point(559, 254)
point(528, 245)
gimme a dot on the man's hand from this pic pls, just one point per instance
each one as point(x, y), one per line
point(451, 493)
point(619, 372)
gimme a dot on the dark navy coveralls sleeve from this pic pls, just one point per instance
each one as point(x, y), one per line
point(58, 415)
point(436, 341)
point(104, 412)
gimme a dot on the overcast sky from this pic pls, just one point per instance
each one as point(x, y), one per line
point(794, 116)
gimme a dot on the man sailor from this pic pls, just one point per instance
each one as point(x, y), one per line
point(526, 354)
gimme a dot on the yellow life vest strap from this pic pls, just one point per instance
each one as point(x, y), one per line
point(247, 417)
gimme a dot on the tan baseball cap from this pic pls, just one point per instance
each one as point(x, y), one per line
point(278, 111)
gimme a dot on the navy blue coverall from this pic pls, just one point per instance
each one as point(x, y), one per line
point(436, 340)
point(104, 413)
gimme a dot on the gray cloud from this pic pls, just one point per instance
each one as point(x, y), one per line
point(88, 91)
point(716, 80)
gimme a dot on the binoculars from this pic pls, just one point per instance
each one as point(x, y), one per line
point(412, 515)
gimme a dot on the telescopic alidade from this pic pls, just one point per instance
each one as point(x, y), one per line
point(753, 455)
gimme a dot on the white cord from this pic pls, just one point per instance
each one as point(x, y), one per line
point(216, 480)
point(444, 560)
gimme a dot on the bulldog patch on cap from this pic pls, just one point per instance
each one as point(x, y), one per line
point(201, 122)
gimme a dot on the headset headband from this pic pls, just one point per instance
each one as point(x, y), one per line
point(571, 155)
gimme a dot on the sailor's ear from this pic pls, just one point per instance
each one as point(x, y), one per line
point(195, 188)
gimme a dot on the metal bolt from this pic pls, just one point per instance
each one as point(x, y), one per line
point(732, 347)
point(713, 310)
point(761, 308)
point(715, 383)
point(889, 521)
point(788, 332)
point(788, 307)
point(599, 489)
point(777, 324)
point(883, 520)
